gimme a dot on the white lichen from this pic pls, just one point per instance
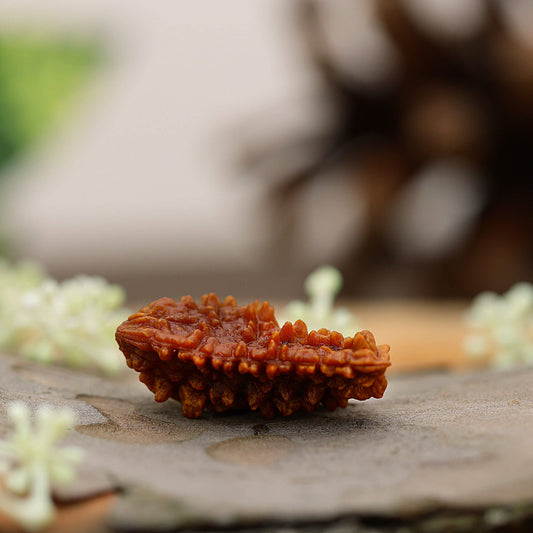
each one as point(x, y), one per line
point(31, 464)
point(70, 323)
point(502, 327)
point(321, 287)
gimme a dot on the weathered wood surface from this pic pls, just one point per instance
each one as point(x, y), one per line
point(455, 441)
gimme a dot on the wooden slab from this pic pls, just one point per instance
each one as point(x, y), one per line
point(434, 443)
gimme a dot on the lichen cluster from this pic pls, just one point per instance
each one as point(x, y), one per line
point(70, 322)
point(502, 327)
point(322, 287)
point(31, 464)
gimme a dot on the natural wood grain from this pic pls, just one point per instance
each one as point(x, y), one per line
point(423, 335)
point(87, 516)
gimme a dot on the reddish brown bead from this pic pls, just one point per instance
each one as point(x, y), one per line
point(221, 356)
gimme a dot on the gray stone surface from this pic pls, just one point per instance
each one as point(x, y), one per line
point(435, 441)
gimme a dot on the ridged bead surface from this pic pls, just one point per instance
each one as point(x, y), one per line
point(220, 356)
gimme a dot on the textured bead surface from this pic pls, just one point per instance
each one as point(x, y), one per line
point(221, 356)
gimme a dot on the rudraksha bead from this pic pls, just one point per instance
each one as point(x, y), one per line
point(221, 356)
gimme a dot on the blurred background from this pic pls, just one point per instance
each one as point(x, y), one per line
point(187, 147)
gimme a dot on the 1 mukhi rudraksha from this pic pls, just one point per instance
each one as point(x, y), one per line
point(221, 356)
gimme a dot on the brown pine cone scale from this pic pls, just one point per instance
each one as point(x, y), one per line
point(221, 356)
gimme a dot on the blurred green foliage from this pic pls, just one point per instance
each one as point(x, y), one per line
point(38, 77)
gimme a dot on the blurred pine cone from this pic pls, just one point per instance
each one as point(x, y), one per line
point(450, 121)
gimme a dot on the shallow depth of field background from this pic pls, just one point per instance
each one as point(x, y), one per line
point(185, 147)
